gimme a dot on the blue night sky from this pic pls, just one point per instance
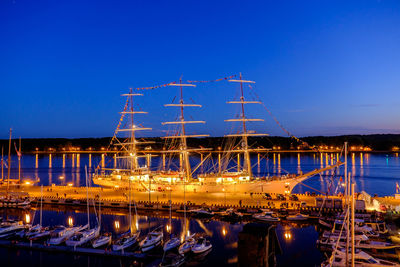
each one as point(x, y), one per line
point(321, 67)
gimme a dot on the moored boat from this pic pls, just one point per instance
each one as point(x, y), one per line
point(172, 243)
point(297, 217)
point(62, 233)
point(125, 241)
point(152, 240)
point(202, 245)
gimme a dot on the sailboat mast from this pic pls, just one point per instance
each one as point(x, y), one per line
point(87, 198)
point(244, 138)
point(41, 205)
point(9, 162)
point(100, 210)
point(130, 209)
point(19, 162)
point(2, 163)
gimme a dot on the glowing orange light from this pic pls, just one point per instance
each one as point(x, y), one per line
point(70, 221)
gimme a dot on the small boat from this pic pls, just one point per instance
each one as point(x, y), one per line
point(361, 258)
point(187, 244)
point(40, 234)
point(82, 237)
point(359, 227)
point(102, 240)
point(152, 240)
point(15, 202)
point(361, 242)
point(202, 245)
point(231, 215)
point(266, 217)
point(172, 243)
point(62, 233)
point(11, 226)
point(126, 241)
point(202, 212)
point(297, 217)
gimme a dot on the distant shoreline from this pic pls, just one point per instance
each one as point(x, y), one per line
point(382, 143)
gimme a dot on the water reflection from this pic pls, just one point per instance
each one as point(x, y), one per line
point(258, 245)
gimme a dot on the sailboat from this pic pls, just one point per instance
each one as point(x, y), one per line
point(9, 200)
point(202, 245)
point(61, 233)
point(152, 240)
point(173, 241)
point(82, 237)
point(240, 181)
point(103, 239)
point(129, 238)
point(361, 258)
point(38, 232)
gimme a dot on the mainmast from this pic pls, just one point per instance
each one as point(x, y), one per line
point(131, 145)
point(185, 168)
point(245, 132)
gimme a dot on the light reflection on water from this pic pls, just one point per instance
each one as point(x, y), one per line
point(373, 173)
point(300, 246)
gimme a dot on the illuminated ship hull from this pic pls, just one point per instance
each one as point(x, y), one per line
point(235, 183)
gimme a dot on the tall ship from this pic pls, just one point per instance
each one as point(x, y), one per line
point(129, 168)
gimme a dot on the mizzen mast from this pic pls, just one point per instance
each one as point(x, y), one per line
point(243, 119)
point(185, 168)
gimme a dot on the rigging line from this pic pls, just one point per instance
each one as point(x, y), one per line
point(279, 124)
point(118, 126)
point(311, 188)
point(216, 80)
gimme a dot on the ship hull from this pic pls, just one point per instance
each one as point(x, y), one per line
point(279, 186)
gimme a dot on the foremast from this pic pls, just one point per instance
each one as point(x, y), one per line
point(129, 146)
point(185, 168)
point(245, 133)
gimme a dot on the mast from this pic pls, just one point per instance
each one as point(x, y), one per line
point(99, 210)
point(134, 156)
point(352, 225)
point(2, 163)
point(184, 141)
point(346, 177)
point(41, 205)
point(87, 198)
point(19, 161)
point(245, 133)
point(130, 209)
point(186, 168)
point(9, 162)
point(130, 146)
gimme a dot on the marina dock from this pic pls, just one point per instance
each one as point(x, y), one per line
point(117, 198)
